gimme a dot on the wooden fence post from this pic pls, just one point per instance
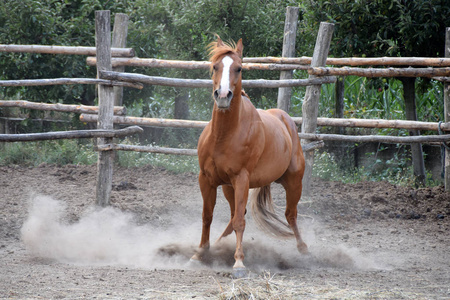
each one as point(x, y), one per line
point(119, 40)
point(106, 106)
point(310, 107)
point(339, 90)
point(447, 112)
point(290, 33)
point(411, 114)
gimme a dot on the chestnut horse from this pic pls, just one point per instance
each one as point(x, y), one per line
point(243, 148)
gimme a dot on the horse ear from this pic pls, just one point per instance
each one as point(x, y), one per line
point(220, 42)
point(240, 47)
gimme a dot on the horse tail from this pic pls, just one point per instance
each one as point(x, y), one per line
point(263, 212)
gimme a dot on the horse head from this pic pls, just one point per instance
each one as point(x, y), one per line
point(226, 68)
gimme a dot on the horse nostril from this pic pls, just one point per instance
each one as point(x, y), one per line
point(230, 95)
point(216, 94)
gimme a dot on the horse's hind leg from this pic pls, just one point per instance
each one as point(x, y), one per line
point(293, 186)
point(228, 191)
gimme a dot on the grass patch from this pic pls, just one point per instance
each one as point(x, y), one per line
point(174, 163)
point(396, 170)
point(63, 152)
point(60, 152)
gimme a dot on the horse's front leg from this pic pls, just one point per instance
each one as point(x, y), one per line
point(241, 186)
point(209, 194)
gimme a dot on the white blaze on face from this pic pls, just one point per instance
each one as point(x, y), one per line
point(225, 80)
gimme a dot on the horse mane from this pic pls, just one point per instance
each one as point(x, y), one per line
point(215, 51)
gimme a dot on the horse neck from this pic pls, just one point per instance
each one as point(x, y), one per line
point(226, 122)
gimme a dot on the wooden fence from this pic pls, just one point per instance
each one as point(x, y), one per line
point(108, 58)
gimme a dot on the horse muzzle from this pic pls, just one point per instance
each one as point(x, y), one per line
point(223, 101)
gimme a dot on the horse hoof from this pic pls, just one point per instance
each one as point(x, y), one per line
point(303, 249)
point(194, 264)
point(239, 273)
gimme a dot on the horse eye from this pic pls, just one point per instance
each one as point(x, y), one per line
point(239, 69)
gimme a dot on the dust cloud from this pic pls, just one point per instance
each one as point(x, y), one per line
point(108, 236)
point(102, 236)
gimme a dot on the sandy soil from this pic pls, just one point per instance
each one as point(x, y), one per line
point(368, 240)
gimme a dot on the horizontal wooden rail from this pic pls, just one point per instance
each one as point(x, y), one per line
point(207, 83)
point(281, 63)
point(378, 123)
point(304, 60)
point(63, 81)
point(334, 122)
point(424, 139)
point(176, 151)
point(377, 72)
point(155, 122)
point(309, 147)
point(313, 146)
point(71, 50)
point(263, 83)
point(150, 149)
point(73, 108)
point(74, 134)
point(192, 65)
point(357, 61)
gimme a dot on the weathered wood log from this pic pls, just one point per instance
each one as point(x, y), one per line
point(119, 40)
point(150, 149)
point(376, 138)
point(333, 122)
point(118, 110)
point(72, 50)
point(174, 151)
point(149, 121)
point(106, 103)
point(190, 65)
point(63, 81)
point(74, 134)
point(377, 72)
point(390, 61)
point(377, 123)
point(357, 61)
point(156, 80)
point(303, 60)
point(263, 83)
point(290, 33)
point(154, 63)
point(207, 83)
point(313, 146)
point(447, 113)
point(442, 79)
point(310, 106)
point(271, 63)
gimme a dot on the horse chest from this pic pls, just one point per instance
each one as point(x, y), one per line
point(223, 163)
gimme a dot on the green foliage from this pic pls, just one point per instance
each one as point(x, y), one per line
point(382, 98)
point(397, 170)
point(49, 22)
point(63, 152)
point(59, 152)
point(378, 28)
point(182, 30)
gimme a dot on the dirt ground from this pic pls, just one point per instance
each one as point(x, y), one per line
point(371, 240)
